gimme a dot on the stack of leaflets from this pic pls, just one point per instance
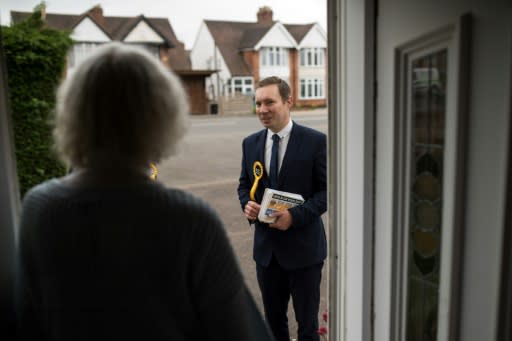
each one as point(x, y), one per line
point(274, 200)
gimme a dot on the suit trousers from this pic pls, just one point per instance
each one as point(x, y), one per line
point(277, 285)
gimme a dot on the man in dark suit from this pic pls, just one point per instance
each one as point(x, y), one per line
point(289, 253)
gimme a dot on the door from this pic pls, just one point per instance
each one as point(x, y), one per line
point(436, 258)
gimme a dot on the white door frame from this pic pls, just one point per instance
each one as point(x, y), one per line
point(351, 153)
point(504, 324)
point(9, 206)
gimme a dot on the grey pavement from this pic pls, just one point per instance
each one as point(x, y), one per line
point(208, 165)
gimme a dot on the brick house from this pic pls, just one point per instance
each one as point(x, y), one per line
point(245, 52)
point(91, 29)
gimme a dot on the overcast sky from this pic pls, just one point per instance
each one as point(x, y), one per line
point(185, 16)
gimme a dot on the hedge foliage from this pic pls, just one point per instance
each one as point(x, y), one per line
point(35, 59)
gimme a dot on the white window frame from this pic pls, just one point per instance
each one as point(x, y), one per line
point(273, 56)
point(245, 87)
point(312, 56)
point(311, 88)
point(350, 172)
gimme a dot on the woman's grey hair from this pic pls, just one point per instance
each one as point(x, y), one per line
point(120, 105)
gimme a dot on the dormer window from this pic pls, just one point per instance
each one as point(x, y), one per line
point(274, 56)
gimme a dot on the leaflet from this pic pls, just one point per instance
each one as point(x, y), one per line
point(274, 200)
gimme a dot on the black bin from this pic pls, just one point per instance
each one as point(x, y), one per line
point(214, 108)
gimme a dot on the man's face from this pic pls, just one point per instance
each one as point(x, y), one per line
point(273, 113)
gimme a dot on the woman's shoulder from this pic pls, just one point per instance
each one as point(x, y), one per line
point(43, 190)
point(186, 203)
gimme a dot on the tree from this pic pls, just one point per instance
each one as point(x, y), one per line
point(36, 61)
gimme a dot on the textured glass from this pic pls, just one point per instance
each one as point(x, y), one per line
point(428, 116)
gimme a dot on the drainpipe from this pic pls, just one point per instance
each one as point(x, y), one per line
point(216, 94)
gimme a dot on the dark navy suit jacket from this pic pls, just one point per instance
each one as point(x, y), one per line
point(303, 171)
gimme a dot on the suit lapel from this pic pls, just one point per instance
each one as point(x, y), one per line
point(260, 146)
point(260, 155)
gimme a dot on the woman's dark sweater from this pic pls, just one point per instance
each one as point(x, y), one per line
point(138, 262)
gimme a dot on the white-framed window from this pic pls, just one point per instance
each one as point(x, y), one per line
point(311, 88)
point(79, 52)
point(153, 49)
point(242, 85)
point(274, 56)
point(312, 56)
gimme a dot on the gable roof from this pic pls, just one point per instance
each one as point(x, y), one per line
point(116, 28)
point(64, 24)
point(232, 37)
point(298, 31)
point(252, 36)
point(228, 38)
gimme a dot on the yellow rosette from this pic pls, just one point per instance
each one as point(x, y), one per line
point(154, 171)
point(257, 170)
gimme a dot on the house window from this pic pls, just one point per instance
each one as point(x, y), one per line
point(241, 85)
point(311, 88)
point(79, 52)
point(274, 56)
point(154, 50)
point(312, 56)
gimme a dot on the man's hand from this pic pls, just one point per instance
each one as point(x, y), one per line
point(284, 220)
point(251, 210)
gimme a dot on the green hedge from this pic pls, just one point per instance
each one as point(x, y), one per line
point(36, 59)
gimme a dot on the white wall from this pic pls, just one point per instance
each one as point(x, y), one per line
point(205, 50)
point(143, 33)
point(316, 37)
point(202, 48)
point(277, 36)
point(88, 31)
point(312, 71)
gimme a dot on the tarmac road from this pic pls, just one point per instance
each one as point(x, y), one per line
point(208, 165)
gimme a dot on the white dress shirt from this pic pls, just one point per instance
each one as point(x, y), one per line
point(284, 136)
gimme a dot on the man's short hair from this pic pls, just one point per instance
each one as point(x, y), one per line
point(284, 88)
point(121, 104)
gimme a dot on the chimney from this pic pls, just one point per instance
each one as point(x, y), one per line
point(43, 11)
point(265, 15)
point(41, 8)
point(97, 13)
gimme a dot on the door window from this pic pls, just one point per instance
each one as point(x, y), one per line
point(427, 143)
